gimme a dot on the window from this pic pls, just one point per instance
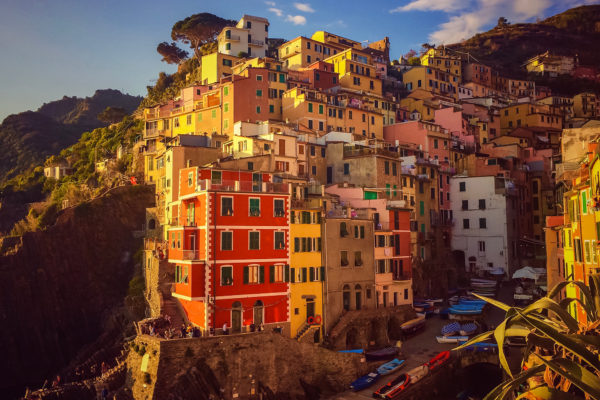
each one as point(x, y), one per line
point(190, 179)
point(310, 107)
point(227, 275)
point(465, 204)
point(482, 204)
point(462, 186)
point(227, 46)
point(255, 207)
point(320, 108)
point(343, 229)
point(482, 223)
point(227, 240)
point(421, 208)
point(394, 169)
point(188, 119)
point(314, 169)
point(279, 240)
point(258, 91)
point(279, 210)
point(346, 169)
point(258, 109)
point(226, 62)
point(254, 274)
point(322, 152)
point(466, 223)
point(276, 273)
point(344, 258)
point(481, 246)
point(271, 108)
point(226, 206)
point(386, 168)
point(358, 259)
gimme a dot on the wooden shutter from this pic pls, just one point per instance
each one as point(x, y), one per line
point(303, 274)
point(293, 275)
point(287, 273)
point(311, 274)
point(271, 273)
point(245, 275)
point(261, 274)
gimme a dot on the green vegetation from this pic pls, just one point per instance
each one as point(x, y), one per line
point(561, 357)
point(171, 53)
point(198, 30)
point(112, 115)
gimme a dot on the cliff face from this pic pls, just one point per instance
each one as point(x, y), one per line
point(58, 286)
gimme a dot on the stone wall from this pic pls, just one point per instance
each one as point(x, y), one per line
point(240, 366)
point(369, 328)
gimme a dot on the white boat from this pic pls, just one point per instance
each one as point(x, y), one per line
point(418, 373)
point(483, 285)
point(451, 339)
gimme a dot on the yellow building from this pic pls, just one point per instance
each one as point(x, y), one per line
point(586, 105)
point(302, 51)
point(216, 66)
point(318, 112)
point(331, 39)
point(307, 272)
point(528, 115)
point(441, 58)
point(356, 71)
point(420, 101)
point(433, 80)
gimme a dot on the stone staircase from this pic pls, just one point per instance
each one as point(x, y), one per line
point(308, 335)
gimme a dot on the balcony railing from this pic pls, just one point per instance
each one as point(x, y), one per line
point(232, 38)
point(241, 186)
point(256, 43)
point(402, 277)
point(190, 255)
point(154, 133)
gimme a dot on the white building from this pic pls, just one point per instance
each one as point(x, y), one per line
point(484, 210)
point(248, 36)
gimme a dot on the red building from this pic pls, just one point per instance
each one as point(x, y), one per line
point(230, 248)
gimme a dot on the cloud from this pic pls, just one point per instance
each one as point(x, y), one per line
point(305, 7)
point(296, 19)
point(276, 11)
point(468, 17)
point(270, 3)
point(337, 24)
point(432, 5)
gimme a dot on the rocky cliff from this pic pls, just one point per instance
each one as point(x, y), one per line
point(59, 286)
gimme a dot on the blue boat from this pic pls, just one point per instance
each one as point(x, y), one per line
point(470, 302)
point(357, 351)
point(472, 311)
point(482, 346)
point(468, 329)
point(450, 329)
point(364, 381)
point(467, 307)
point(389, 367)
point(444, 313)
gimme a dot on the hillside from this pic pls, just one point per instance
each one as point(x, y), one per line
point(573, 32)
point(28, 138)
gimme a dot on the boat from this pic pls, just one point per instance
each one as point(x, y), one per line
point(357, 351)
point(467, 307)
point(393, 387)
point(472, 302)
point(465, 311)
point(483, 285)
point(433, 302)
point(468, 329)
point(418, 373)
point(450, 329)
point(453, 300)
point(390, 367)
point(438, 360)
point(480, 280)
point(482, 293)
point(381, 354)
point(413, 325)
point(482, 346)
point(364, 381)
point(420, 306)
point(451, 339)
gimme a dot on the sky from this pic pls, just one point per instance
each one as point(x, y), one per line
point(53, 48)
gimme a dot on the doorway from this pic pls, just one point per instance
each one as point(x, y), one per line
point(310, 309)
point(258, 317)
point(358, 296)
point(346, 297)
point(236, 317)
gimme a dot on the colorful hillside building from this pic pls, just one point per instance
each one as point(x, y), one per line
point(307, 271)
point(230, 249)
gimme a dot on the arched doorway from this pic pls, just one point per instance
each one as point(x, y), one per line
point(236, 317)
point(358, 295)
point(346, 297)
point(258, 315)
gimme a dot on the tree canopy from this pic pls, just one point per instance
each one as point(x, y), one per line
point(199, 29)
point(171, 54)
point(112, 115)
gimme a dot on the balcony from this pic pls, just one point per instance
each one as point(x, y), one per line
point(402, 277)
point(241, 186)
point(190, 255)
point(154, 133)
point(384, 226)
point(232, 38)
point(258, 43)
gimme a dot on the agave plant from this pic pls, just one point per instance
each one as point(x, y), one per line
point(561, 359)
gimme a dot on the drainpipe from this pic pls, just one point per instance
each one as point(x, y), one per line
point(214, 265)
point(324, 289)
